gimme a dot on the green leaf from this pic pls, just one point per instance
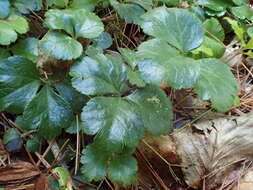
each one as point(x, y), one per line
point(4, 8)
point(19, 82)
point(210, 48)
point(78, 23)
point(17, 23)
point(60, 46)
point(116, 120)
point(48, 113)
point(98, 75)
point(59, 3)
point(10, 27)
point(129, 56)
point(217, 83)
point(70, 95)
point(81, 4)
point(249, 44)
point(243, 12)
point(215, 5)
point(72, 129)
point(95, 162)
point(27, 48)
point(155, 109)
point(129, 12)
point(250, 31)
point(240, 2)
point(11, 134)
point(4, 53)
point(122, 169)
point(162, 63)
point(214, 29)
point(239, 31)
point(147, 4)
point(103, 41)
point(179, 27)
point(33, 144)
point(64, 176)
point(134, 78)
point(25, 6)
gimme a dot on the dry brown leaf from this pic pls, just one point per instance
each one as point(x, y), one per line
point(17, 173)
point(210, 150)
point(41, 182)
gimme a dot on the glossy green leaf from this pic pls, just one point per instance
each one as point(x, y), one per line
point(10, 27)
point(103, 41)
point(33, 144)
point(25, 6)
point(215, 5)
point(217, 83)
point(94, 163)
point(156, 49)
point(27, 48)
point(19, 82)
point(10, 135)
point(48, 113)
point(147, 4)
point(129, 56)
point(134, 78)
point(180, 28)
point(131, 13)
point(122, 169)
point(210, 48)
point(250, 31)
point(60, 46)
point(243, 12)
point(213, 29)
point(116, 121)
point(7, 34)
point(72, 129)
point(70, 95)
point(155, 109)
point(4, 8)
point(78, 23)
point(87, 4)
point(240, 2)
point(98, 75)
point(162, 63)
point(58, 3)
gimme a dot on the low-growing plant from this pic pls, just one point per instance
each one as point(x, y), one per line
point(63, 79)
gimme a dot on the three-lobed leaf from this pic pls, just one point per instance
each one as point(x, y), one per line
point(217, 83)
point(77, 23)
point(60, 46)
point(19, 82)
point(98, 75)
point(178, 27)
point(48, 113)
point(10, 27)
point(163, 63)
point(123, 169)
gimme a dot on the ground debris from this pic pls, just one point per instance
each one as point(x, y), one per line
point(17, 173)
point(211, 150)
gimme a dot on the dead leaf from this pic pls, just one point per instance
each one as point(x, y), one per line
point(41, 182)
point(211, 150)
point(17, 173)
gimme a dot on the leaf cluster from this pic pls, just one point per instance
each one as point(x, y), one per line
point(65, 78)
